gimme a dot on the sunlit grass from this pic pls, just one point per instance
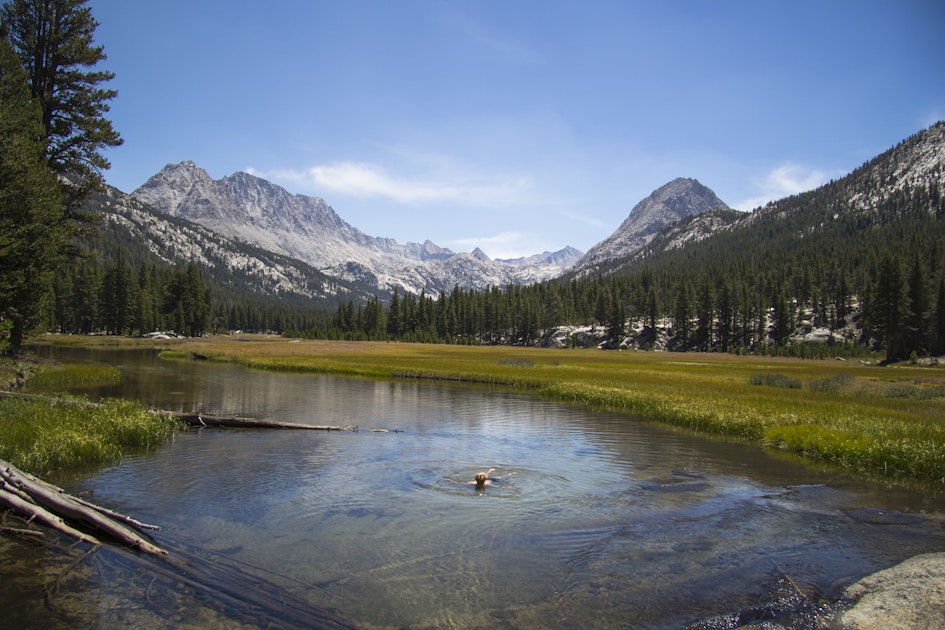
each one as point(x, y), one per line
point(57, 377)
point(42, 436)
point(874, 420)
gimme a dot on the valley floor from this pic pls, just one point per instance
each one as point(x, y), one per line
point(856, 417)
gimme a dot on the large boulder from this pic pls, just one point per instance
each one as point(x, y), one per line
point(910, 595)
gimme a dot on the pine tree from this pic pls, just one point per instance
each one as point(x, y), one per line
point(617, 318)
point(917, 322)
point(705, 313)
point(887, 307)
point(939, 322)
point(682, 312)
point(32, 236)
point(652, 307)
point(783, 320)
point(55, 43)
point(118, 297)
point(394, 316)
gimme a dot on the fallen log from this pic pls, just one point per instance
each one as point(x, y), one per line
point(52, 505)
point(237, 422)
point(15, 502)
point(196, 419)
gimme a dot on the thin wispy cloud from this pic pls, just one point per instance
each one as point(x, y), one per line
point(370, 181)
point(586, 219)
point(784, 181)
point(933, 117)
point(503, 245)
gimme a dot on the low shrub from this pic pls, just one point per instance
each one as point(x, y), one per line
point(831, 384)
point(774, 380)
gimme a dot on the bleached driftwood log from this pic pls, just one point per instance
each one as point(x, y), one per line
point(51, 505)
point(236, 422)
point(196, 419)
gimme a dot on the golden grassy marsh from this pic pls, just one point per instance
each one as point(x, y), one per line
point(866, 419)
point(44, 436)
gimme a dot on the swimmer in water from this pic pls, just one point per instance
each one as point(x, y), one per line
point(483, 479)
point(486, 479)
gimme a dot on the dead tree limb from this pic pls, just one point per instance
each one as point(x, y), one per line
point(196, 419)
point(39, 513)
point(236, 422)
point(53, 506)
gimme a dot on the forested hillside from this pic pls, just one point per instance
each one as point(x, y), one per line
point(139, 265)
point(861, 261)
point(855, 266)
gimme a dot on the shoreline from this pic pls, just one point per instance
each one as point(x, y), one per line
point(908, 595)
point(860, 419)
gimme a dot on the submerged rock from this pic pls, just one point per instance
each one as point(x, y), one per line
point(876, 516)
point(909, 595)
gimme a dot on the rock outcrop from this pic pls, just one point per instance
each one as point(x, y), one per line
point(907, 596)
point(669, 203)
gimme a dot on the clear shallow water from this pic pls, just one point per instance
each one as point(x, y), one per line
point(603, 521)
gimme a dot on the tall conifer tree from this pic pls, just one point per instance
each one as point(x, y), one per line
point(31, 211)
point(55, 42)
point(53, 129)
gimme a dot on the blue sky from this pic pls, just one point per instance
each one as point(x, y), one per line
point(517, 126)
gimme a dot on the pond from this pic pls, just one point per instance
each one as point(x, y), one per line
point(599, 520)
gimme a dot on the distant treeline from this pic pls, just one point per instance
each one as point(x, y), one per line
point(93, 296)
point(863, 256)
point(810, 260)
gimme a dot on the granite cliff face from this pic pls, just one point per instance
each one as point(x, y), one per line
point(227, 262)
point(669, 203)
point(253, 210)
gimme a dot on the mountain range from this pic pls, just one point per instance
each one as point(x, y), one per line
point(255, 237)
point(248, 209)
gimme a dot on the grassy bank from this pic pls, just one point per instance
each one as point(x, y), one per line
point(876, 420)
point(45, 436)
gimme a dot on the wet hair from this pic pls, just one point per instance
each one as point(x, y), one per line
point(481, 478)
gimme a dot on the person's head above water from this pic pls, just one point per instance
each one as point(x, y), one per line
point(481, 479)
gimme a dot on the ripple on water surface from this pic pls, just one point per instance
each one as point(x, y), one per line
point(602, 522)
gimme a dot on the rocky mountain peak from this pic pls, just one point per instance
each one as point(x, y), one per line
point(561, 258)
point(675, 200)
point(166, 190)
point(478, 254)
point(250, 209)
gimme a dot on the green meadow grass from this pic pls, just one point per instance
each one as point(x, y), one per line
point(887, 421)
point(57, 377)
point(865, 419)
point(45, 436)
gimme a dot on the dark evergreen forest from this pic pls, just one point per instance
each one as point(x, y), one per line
point(874, 272)
point(871, 272)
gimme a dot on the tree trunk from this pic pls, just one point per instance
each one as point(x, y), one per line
point(52, 505)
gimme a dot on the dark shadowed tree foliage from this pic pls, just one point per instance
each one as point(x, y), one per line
point(32, 235)
point(53, 131)
point(55, 42)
